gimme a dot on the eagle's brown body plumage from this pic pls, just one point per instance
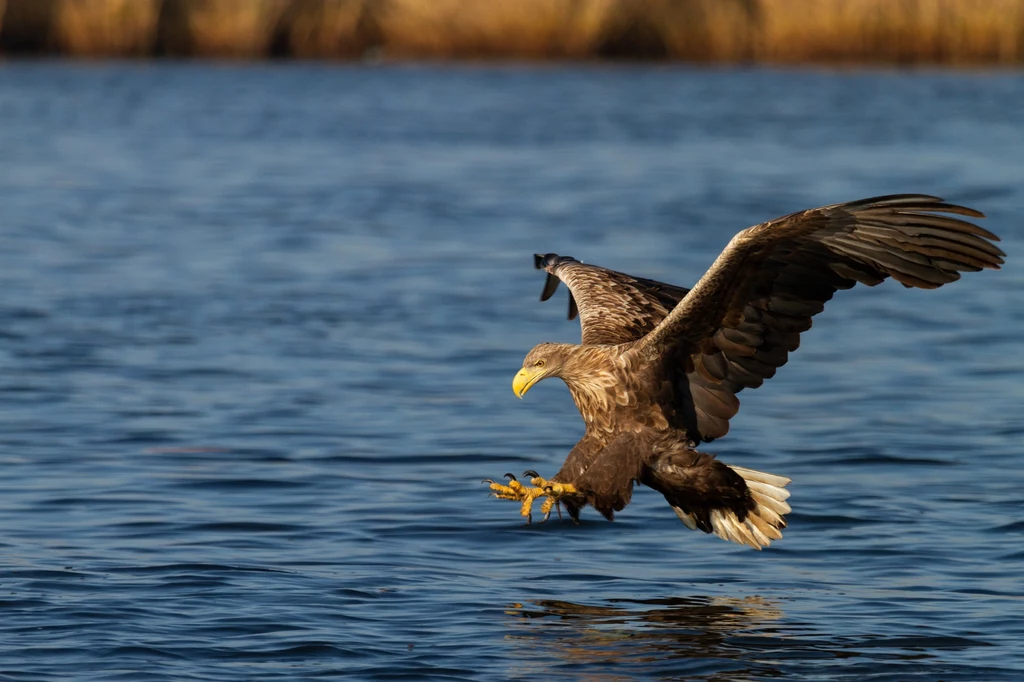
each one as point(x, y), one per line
point(659, 366)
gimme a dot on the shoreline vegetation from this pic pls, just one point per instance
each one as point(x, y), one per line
point(942, 32)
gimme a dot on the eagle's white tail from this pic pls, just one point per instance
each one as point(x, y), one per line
point(761, 525)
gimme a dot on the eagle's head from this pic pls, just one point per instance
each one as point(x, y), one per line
point(545, 360)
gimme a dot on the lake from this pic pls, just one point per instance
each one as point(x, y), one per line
point(258, 328)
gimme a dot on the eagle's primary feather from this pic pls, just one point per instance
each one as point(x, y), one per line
point(659, 366)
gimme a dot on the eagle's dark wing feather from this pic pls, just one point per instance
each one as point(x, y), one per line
point(740, 321)
point(613, 307)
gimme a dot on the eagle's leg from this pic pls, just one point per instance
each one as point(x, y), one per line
point(541, 488)
point(553, 491)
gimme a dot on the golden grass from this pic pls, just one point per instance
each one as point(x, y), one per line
point(893, 31)
point(105, 27)
point(503, 28)
point(325, 29)
point(771, 31)
point(219, 28)
point(706, 31)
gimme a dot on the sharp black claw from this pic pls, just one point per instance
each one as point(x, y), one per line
point(487, 480)
point(510, 477)
point(530, 473)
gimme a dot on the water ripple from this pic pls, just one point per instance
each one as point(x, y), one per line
point(259, 326)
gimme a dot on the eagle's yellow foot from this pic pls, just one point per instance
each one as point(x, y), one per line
point(541, 488)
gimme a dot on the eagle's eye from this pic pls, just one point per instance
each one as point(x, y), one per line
point(539, 363)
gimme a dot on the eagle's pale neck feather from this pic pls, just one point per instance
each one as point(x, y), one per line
point(590, 373)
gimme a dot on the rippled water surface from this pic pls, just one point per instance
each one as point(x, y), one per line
point(258, 326)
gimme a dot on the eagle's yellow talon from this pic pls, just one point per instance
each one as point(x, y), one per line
point(548, 504)
point(540, 488)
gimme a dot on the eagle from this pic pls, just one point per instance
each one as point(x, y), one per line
point(659, 366)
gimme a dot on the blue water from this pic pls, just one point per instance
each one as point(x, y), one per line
point(258, 327)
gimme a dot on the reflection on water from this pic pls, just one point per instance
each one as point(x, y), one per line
point(713, 637)
point(650, 635)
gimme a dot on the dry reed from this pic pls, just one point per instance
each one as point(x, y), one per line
point(219, 28)
point(325, 29)
point(892, 31)
point(772, 31)
point(504, 28)
point(105, 27)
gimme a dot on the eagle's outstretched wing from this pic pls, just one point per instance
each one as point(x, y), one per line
point(738, 323)
point(613, 307)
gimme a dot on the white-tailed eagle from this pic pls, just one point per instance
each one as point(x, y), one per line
point(659, 366)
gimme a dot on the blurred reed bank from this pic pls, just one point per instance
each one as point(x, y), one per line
point(956, 32)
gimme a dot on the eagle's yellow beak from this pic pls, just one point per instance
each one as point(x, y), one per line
point(524, 379)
